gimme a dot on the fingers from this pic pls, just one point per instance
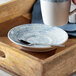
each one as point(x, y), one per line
point(74, 1)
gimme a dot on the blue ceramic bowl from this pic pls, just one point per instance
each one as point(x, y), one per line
point(37, 33)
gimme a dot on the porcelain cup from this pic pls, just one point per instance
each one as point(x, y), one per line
point(56, 12)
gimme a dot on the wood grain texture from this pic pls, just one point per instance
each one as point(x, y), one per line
point(19, 63)
point(59, 62)
point(42, 56)
point(6, 26)
point(15, 8)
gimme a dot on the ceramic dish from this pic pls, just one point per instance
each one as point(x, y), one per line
point(37, 33)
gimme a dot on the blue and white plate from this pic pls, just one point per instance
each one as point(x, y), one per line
point(37, 33)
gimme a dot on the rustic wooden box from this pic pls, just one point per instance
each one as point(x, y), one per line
point(18, 62)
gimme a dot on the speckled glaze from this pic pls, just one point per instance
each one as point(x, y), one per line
point(37, 33)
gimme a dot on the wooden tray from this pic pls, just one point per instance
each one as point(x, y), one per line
point(18, 62)
point(59, 62)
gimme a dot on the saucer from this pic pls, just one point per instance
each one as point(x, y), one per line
point(37, 33)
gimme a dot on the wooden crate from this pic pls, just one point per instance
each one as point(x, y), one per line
point(59, 62)
point(18, 62)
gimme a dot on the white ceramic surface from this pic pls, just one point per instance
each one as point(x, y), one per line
point(2, 73)
point(37, 33)
point(4, 1)
point(72, 18)
point(55, 12)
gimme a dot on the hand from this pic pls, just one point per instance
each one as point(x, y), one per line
point(74, 1)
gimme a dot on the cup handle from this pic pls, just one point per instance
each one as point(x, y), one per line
point(72, 12)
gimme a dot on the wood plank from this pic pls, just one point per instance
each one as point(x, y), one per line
point(41, 56)
point(58, 64)
point(20, 63)
point(12, 23)
point(62, 63)
point(15, 8)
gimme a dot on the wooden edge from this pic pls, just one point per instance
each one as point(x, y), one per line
point(12, 23)
point(14, 8)
point(62, 53)
point(28, 16)
point(20, 63)
point(6, 49)
point(61, 64)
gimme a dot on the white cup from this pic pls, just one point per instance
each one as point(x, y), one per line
point(72, 18)
point(56, 12)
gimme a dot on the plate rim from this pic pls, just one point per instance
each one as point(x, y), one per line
point(26, 46)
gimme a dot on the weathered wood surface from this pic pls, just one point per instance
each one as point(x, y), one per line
point(6, 26)
point(59, 62)
point(15, 8)
point(41, 56)
point(18, 62)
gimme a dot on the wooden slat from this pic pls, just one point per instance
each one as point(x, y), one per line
point(57, 64)
point(62, 63)
point(14, 9)
point(6, 26)
point(42, 56)
point(19, 62)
